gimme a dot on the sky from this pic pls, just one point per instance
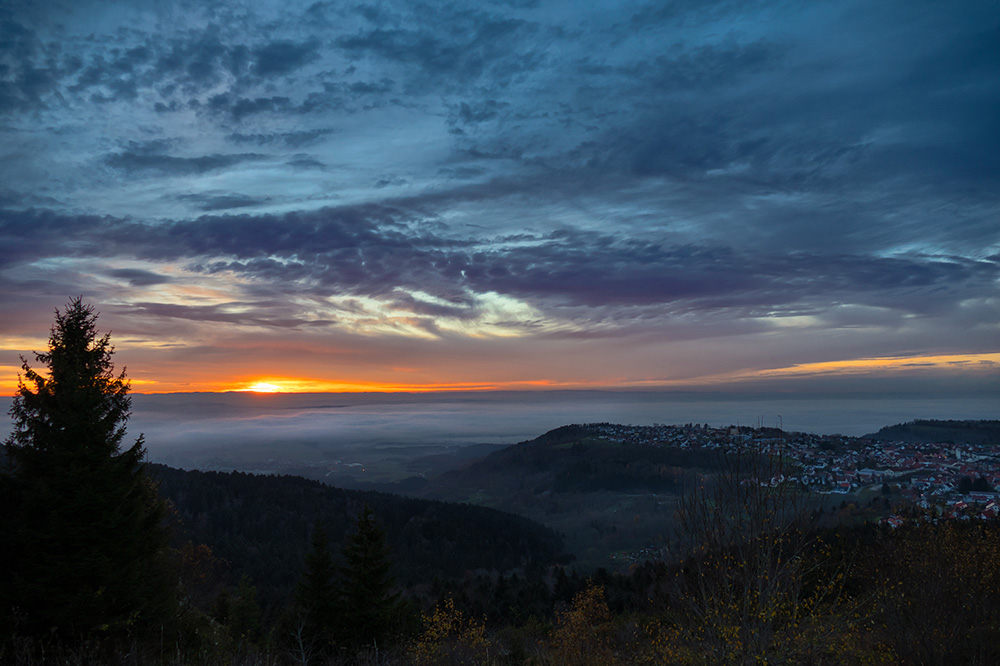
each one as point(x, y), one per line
point(327, 196)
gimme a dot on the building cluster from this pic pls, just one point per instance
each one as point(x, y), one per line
point(932, 476)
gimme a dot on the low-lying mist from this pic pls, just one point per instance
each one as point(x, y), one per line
point(384, 437)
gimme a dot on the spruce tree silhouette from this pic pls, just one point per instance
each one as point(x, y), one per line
point(369, 605)
point(85, 540)
point(316, 598)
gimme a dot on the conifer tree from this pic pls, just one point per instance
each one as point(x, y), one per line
point(85, 540)
point(369, 605)
point(316, 595)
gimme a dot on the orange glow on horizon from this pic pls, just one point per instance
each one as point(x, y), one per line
point(288, 385)
point(263, 387)
point(881, 366)
point(861, 365)
point(857, 367)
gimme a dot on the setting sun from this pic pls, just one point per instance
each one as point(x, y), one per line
point(264, 387)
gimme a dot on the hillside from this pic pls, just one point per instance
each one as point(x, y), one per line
point(605, 496)
point(261, 525)
point(613, 489)
point(931, 431)
point(570, 459)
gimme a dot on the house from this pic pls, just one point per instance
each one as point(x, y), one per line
point(868, 475)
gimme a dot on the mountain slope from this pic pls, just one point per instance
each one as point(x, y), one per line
point(605, 496)
point(262, 524)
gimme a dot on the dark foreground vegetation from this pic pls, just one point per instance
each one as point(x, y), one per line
point(261, 527)
point(110, 561)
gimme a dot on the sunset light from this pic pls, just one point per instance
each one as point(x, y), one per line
point(264, 387)
point(902, 369)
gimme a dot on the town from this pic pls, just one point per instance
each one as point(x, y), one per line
point(941, 480)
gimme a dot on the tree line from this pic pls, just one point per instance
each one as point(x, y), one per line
point(262, 526)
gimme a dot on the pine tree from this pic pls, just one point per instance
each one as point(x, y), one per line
point(369, 605)
point(316, 596)
point(86, 540)
point(244, 612)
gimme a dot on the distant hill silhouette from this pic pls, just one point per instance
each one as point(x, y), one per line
point(569, 459)
point(605, 496)
point(930, 431)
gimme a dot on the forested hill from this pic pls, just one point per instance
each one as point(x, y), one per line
point(571, 459)
point(606, 496)
point(262, 525)
point(930, 431)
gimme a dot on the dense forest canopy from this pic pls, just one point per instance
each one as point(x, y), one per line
point(262, 525)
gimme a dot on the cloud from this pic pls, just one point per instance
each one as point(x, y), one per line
point(243, 106)
point(459, 310)
point(24, 83)
point(283, 57)
point(244, 314)
point(137, 277)
point(294, 139)
point(445, 45)
point(685, 12)
point(375, 252)
point(199, 60)
point(149, 157)
point(305, 162)
point(209, 202)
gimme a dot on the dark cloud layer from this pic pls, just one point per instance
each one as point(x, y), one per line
point(140, 159)
point(534, 166)
point(138, 277)
point(373, 251)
